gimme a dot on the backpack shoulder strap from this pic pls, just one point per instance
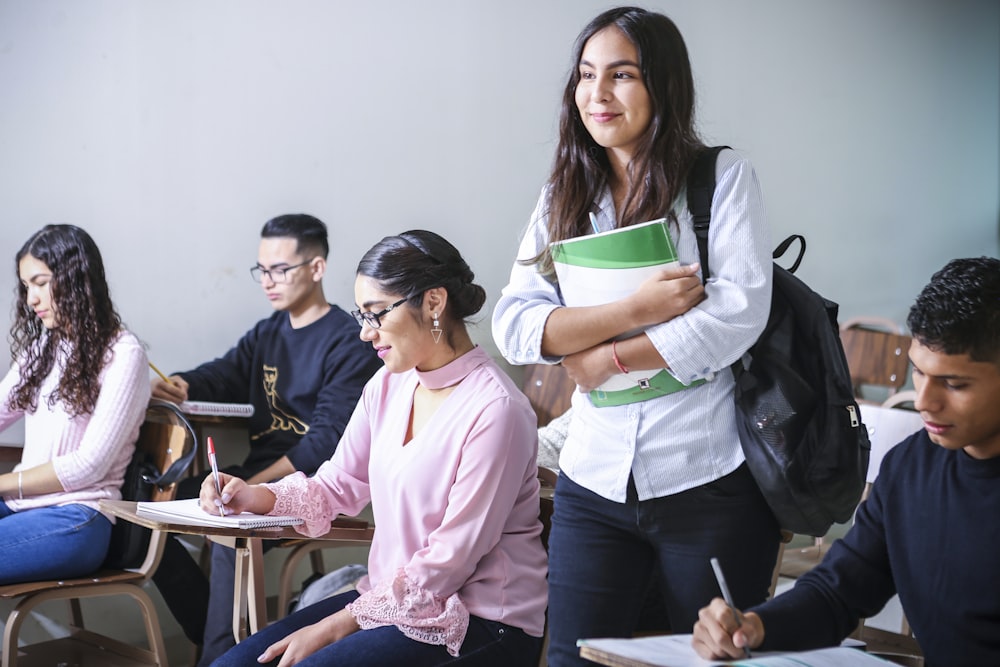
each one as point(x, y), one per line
point(700, 190)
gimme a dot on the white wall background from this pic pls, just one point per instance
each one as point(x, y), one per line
point(172, 130)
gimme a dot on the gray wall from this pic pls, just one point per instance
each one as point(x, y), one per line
point(172, 130)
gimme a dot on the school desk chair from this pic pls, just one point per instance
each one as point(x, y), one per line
point(877, 351)
point(164, 438)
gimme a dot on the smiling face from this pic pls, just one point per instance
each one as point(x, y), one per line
point(37, 279)
point(401, 342)
point(957, 399)
point(611, 97)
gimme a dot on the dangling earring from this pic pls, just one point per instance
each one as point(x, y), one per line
point(436, 330)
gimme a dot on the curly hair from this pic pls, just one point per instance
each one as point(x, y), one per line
point(413, 262)
point(668, 148)
point(958, 312)
point(86, 322)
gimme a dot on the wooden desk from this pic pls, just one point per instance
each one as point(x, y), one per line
point(249, 604)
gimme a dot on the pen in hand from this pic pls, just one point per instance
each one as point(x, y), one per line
point(215, 472)
point(727, 597)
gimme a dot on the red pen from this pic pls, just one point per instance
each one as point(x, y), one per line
point(215, 472)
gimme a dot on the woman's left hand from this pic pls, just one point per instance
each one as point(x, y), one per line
point(302, 643)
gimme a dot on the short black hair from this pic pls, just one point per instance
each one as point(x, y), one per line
point(308, 231)
point(958, 312)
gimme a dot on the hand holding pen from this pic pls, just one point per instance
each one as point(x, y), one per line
point(215, 473)
point(728, 598)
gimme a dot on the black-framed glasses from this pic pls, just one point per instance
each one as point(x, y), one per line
point(374, 319)
point(278, 274)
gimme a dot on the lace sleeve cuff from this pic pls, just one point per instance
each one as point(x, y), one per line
point(293, 497)
point(418, 613)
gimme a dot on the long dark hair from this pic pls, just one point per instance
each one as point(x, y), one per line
point(86, 320)
point(659, 169)
point(413, 262)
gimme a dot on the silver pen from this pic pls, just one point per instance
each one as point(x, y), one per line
point(727, 597)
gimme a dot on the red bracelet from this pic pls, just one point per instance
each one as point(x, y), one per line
point(614, 356)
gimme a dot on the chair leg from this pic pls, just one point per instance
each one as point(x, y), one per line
point(157, 651)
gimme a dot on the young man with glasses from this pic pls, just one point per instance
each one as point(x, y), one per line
point(303, 369)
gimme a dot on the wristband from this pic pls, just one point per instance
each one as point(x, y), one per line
point(614, 356)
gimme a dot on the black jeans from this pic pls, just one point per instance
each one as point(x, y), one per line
point(603, 554)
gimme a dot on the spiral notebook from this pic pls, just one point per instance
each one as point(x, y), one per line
point(217, 409)
point(189, 512)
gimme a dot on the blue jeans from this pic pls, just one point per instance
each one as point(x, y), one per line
point(603, 555)
point(487, 644)
point(61, 542)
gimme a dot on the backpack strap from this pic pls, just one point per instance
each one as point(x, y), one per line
point(150, 474)
point(783, 248)
point(700, 190)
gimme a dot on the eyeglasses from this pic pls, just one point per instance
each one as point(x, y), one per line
point(373, 319)
point(277, 275)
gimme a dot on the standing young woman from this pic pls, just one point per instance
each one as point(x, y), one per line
point(658, 485)
point(443, 445)
point(81, 383)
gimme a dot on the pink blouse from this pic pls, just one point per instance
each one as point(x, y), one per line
point(455, 509)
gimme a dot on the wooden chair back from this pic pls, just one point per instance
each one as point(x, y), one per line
point(876, 358)
point(549, 389)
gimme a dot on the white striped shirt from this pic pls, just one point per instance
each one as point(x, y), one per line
point(688, 438)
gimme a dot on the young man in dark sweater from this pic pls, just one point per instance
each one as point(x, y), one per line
point(930, 529)
point(303, 369)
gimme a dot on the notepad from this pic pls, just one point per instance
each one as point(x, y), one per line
point(213, 409)
point(676, 651)
point(602, 268)
point(189, 512)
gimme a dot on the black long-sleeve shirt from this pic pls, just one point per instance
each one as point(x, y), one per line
point(930, 531)
point(303, 383)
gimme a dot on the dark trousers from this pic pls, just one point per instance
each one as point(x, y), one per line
point(487, 644)
point(603, 555)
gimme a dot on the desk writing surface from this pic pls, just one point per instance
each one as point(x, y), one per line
point(676, 651)
point(342, 528)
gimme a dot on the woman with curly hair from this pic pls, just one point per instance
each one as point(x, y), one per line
point(80, 381)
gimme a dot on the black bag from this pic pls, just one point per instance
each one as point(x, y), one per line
point(799, 424)
point(130, 541)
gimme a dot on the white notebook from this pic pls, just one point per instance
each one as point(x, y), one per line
point(676, 651)
point(189, 512)
point(217, 409)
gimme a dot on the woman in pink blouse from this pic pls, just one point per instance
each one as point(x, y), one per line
point(81, 384)
point(443, 445)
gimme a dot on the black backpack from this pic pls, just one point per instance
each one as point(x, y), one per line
point(129, 541)
point(799, 424)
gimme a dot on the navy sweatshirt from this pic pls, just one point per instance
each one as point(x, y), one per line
point(930, 531)
point(303, 383)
